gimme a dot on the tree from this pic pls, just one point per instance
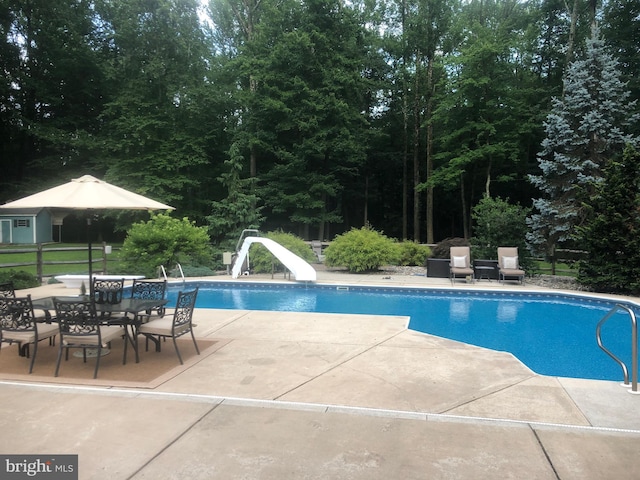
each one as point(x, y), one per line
point(621, 27)
point(584, 131)
point(309, 101)
point(154, 127)
point(237, 210)
point(52, 91)
point(498, 223)
point(481, 109)
point(611, 233)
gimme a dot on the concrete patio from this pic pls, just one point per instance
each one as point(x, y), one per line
point(292, 395)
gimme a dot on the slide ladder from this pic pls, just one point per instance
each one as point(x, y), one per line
point(301, 270)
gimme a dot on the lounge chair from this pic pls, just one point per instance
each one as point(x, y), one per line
point(460, 263)
point(508, 265)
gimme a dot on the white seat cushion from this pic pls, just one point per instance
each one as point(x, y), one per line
point(460, 262)
point(45, 330)
point(510, 263)
point(108, 334)
point(161, 326)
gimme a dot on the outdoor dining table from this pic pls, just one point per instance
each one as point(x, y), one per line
point(133, 306)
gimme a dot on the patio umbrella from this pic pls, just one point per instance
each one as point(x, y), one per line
point(87, 194)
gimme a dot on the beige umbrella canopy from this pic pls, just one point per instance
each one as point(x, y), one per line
point(87, 193)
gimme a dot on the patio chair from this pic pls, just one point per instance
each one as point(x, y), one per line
point(107, 291)
point(151, 290)
point(7, 290)
point(81, 328)
point(173, 327)
point(18, 325)
point(508, 265)
point(460, 263)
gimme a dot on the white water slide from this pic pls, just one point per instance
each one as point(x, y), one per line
point(302, 271)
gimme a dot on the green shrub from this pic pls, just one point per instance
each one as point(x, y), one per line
point(194, 271)
point(499, 223)
point(441, 249)
point(164, 241)
point(412, 253)
point(19, 278)
point(362, 250)
point(263, 261)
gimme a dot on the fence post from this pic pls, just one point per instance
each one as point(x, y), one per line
point(104, 258)
point(39, 263)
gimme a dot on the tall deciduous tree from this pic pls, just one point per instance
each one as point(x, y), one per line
point(309, 97)
point(52, 89)
point(584, 131)
point(481, 105)
point(153, 123)
point(621, 28)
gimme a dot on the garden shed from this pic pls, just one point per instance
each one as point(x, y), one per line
point(26, 225)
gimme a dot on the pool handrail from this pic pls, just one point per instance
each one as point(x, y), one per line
point(634, 345)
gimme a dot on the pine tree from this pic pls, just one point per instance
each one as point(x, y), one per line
point(584, 131)
point(611, 233)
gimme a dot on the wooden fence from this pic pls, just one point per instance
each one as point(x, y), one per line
point(99, 260)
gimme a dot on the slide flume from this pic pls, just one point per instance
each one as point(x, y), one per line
point(301, 270)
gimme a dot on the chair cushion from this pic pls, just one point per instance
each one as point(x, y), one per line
point(460, 262)
point(45, 330)
point(161, 326)
point(108, 334)
point(510, 263)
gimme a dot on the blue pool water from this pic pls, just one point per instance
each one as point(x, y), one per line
point(552, 334)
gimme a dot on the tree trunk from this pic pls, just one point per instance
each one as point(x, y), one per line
point(416, 155)
point(429, 209)
point(405, 131)
point(366, 200)
point(463, 203)
point(572, 34)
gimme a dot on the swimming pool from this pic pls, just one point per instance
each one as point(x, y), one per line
point(553, 334)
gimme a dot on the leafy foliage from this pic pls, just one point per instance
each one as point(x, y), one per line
point(361, 250)
point(441, 249)
point(19, 279)
point(611, 235)
point(498, 223)
point(263, 261)
point(164, 241)
point(239, 209)
point(412, 253)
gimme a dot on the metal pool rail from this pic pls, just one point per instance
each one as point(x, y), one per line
point(634, 346)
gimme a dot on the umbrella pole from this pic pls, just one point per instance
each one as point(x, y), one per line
point(90, 256)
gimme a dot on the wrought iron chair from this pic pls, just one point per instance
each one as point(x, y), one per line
point(18, 325)
point(173, 327)
point(108, 291)
point(7, 290)
point(80, 327)
point(152, 290)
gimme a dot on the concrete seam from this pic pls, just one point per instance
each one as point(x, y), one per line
point(319, 407)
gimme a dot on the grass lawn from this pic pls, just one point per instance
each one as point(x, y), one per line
point(562, 269)
point(78, 259)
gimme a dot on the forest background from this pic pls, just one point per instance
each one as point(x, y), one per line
point(310, 116)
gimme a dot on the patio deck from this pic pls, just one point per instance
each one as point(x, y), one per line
point(292, 395)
